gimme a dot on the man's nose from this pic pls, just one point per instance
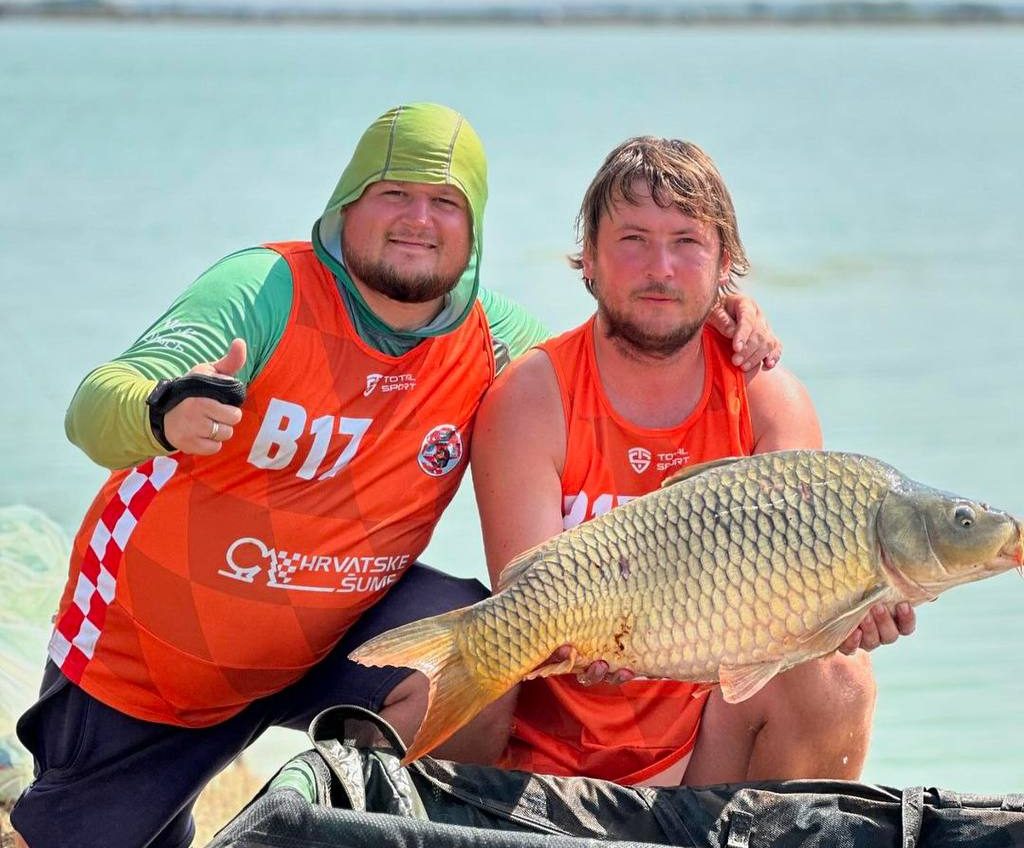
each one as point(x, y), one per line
point(418, 209)
point(659, 263)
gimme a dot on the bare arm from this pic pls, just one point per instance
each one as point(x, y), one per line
point(783, 418)
point(517, 455)
point(781, 412)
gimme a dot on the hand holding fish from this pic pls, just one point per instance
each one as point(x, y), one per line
point(881, 627)
point(596, 672)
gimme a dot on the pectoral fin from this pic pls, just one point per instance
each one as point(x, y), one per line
point(740, 682)
point(833, 633)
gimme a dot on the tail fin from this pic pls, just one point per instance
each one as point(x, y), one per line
point(455, 696)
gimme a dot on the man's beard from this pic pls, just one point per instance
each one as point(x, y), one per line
point(391, 281)
point(640, 341)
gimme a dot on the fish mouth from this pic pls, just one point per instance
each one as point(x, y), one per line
point(1013, 554)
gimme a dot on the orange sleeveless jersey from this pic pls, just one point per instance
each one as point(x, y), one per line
point(199, 584)
point(631, 732)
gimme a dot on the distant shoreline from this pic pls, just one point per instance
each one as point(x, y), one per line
point(851, 14)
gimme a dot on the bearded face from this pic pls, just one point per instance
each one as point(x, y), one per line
point(656, 274)
point(407, 241)
point(653, 338)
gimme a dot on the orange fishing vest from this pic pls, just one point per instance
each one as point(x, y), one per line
point(199, 584)
point(626, 733)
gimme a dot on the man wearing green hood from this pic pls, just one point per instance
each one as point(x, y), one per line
point(282, 441)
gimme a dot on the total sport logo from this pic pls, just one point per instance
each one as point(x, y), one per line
point(247, 558)
point(388, 383)
point(640, 459)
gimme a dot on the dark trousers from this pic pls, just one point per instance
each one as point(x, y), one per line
point(107, 780)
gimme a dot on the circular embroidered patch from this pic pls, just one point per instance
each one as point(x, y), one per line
point(441, 450)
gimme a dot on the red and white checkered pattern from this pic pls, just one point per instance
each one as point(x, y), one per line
point(74, 638)
point(284, 565)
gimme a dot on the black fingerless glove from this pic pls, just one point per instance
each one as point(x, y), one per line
point(169, 393)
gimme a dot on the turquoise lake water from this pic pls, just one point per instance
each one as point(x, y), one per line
point(877, 176)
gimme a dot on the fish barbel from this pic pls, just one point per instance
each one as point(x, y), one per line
point(732, 572)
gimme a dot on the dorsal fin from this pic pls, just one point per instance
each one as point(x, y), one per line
point(694, 470)
point(516, 566)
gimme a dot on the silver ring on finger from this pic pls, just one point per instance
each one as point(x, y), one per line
point(214, 430)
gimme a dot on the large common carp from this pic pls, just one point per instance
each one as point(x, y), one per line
point(732, 572)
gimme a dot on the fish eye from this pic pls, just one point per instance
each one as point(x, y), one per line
point(964, 516)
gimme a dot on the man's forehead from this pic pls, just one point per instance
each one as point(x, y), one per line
point(442, 189)
point(642, 207)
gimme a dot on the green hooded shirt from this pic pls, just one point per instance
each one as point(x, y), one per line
point(248, 294)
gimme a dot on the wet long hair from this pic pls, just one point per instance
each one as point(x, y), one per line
point(676, 174)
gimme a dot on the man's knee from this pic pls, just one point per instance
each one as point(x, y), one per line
point(833, 691)
point(849, 682)
point(813, 721)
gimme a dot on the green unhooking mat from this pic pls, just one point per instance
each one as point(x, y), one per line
point(350, 790)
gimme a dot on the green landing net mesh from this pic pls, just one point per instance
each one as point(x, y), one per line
point(33, 561)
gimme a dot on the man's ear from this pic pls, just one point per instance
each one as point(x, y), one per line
point(588, 262)
point(724, 267)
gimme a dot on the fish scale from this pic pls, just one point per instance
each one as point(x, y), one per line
point(732, 572)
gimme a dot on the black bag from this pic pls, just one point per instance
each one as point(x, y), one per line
point(350, 790)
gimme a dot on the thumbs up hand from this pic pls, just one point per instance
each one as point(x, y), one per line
point(228, 365)
point(201, 425)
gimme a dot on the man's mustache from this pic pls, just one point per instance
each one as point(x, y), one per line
point(657, 290)
point(420, 237)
